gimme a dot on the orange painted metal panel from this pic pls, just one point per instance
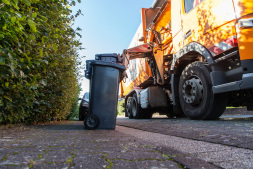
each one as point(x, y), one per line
point(245, 42)
point(164, 18)
point(209, 23)
point(243, 7)
point(144, 26)
point(159, 61)
point(176, 25)
point(138, 72)
point(217, 36)
point(244, 10)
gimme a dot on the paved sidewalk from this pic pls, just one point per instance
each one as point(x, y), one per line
point(216, 154)
point(67, 145)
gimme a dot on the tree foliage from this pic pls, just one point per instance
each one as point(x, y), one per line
point(121, 107)
point(38, 60)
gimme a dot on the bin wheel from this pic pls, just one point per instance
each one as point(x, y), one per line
point(91, 122)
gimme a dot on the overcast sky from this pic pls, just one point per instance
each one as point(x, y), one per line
point(108, 26)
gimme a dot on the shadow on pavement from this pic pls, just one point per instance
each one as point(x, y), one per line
point(64, 125)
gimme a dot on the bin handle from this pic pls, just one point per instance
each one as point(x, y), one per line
point(124, 79)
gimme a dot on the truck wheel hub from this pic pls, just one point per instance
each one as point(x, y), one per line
point(193, 91)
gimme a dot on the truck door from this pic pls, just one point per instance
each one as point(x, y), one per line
point(176, 25)
point(208, 22)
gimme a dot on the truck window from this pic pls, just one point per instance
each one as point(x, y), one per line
point(190, 4)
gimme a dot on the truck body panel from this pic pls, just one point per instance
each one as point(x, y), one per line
point(207, 24)
point(243, 8)
point(138, 70)
point(245, 42)
point(176, 27)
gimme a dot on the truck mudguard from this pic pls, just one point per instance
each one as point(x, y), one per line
point(137, 91)
point(193, 47)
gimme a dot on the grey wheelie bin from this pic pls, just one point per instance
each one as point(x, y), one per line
point(104, 85)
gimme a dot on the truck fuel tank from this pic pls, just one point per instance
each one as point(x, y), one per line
point(153, 97)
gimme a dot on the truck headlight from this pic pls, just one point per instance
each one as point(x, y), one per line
point(245, 23)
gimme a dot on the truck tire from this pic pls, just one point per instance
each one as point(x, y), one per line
point(137, 111)
point(177, 110)
point(196, 96)
point(128, 108)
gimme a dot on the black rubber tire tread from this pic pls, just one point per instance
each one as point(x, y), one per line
point(86, 122)
point(125, 108)
point(128, 108)
point(177, 110)
point(212, 106)
point(139, 110)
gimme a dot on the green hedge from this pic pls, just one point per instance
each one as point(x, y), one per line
point(121, 107)
point(38, 60)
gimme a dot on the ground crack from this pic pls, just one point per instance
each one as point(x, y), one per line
point(5, 157)
point(108, 160)
point(70, 159)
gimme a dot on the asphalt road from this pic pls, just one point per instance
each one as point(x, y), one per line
point(156, 143)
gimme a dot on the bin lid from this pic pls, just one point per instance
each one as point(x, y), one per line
point(97, 56)
point(109, 64)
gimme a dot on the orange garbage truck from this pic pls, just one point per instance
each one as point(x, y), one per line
point(190, 57)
